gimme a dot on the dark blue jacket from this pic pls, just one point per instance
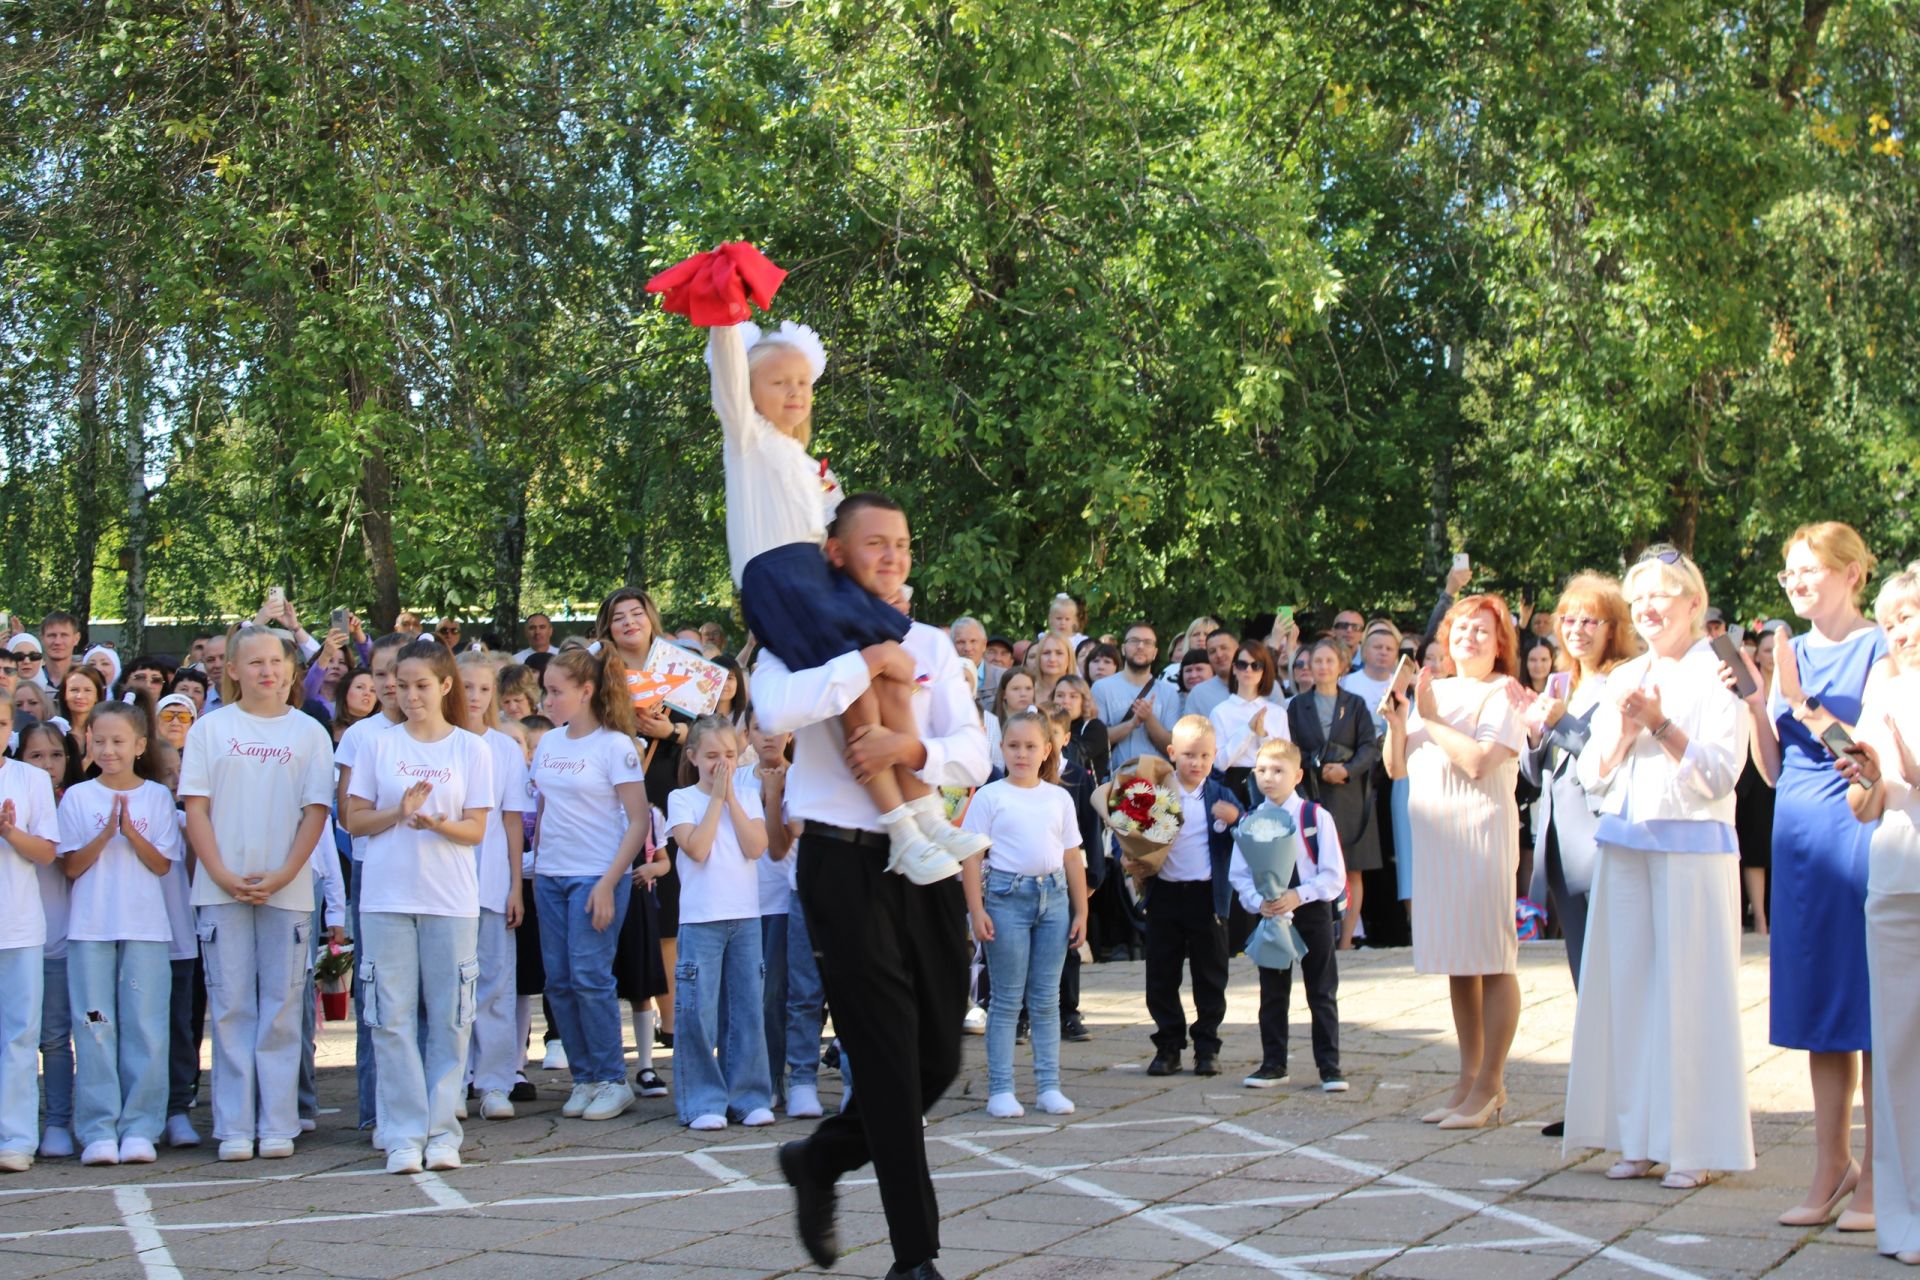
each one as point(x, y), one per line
point(1219, 844)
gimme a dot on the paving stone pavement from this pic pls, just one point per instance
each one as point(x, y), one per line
point(1186, 1177)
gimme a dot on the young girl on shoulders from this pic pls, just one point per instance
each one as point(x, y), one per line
point(29, 832)
point(1027, 897)
point(721, 832)
point(422, 794)
point(118, 837)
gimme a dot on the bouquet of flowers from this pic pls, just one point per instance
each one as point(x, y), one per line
point(1268, 839)
point(1141, 806)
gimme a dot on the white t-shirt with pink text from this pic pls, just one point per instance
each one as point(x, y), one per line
point(23, 922)
point(259, 774)
point(414, 871)
point(119, 898)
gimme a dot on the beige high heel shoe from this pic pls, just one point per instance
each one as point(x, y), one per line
point(1801, 1216)
point(1489, 1114)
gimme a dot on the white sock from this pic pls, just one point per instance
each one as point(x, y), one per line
point(1004, 1106)
point(900, 823)
point(643, 1035)
point(1055, 1103)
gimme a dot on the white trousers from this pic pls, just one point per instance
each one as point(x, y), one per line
point(1893, 957)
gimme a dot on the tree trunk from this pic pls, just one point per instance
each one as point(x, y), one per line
point(376, 535)
point(86, 524)
point(509, 558)
point(133, 632)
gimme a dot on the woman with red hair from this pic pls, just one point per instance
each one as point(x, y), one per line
point(1460, 749)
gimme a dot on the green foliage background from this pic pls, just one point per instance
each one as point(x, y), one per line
point(1184, 307)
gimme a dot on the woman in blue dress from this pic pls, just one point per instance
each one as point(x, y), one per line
point(1819, 949)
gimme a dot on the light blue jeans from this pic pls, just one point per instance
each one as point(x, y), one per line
point(579, 962)
point(719, 961)
point(1031, 916)
point(496, 1057)
point(20, 978)
point(56, 1043)
point(120, 993)
point(806, 1000)
point(1402, 839)
point(256, 960)
point(773, 1003)
point(403, 959)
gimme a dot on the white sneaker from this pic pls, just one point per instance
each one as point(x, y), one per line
point(442, 1156)
point(975, 1023)
point(930, 813)
point(1336, 1085)
point(56, 1143)
point(308, 1124)
point(404, 1160)
point(494, 1105)
point(236, 1149)
point(803, 1102)
point(181, 1133)
point(577, 1101)
point(1004, 1106)
point(137, 1151)
point(556, 1059)
point(13, 1160)
point(708, 1124)
point(758, 1118)
point(105, 1151)
point(276, 1148)
point(1055, 1103)
point(610, 1098)
point(921, 860)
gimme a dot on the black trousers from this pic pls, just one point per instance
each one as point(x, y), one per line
point(1182, 929)
point(1569, 908)
point(1070, 985)
point(893, 959)
point(1315, 920)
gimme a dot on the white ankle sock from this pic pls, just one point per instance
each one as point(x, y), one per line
point(643, 1036)
point(1004, 1106)
point(1055, 1103)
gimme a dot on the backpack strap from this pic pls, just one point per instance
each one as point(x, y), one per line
point(1310, 830)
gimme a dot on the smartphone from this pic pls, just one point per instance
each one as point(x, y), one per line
point(276, 600)
point(1727, 649)
point(1558, 684)
point(338, 622)
point(1402, 677)
point(1460, 561)
point(1285, 613)
point(1838, 740)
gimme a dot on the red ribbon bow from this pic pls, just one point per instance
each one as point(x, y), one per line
point(712, 288)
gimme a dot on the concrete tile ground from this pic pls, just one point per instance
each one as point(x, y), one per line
point(1194, 1178)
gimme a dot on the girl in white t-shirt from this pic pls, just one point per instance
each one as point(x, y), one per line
point(422, 793)
point(721, 833)
point(496, 1056)
point(118, 837)
point(593, 823)
point(50, 749)
point(1028, 905)
point(29, 831)
point(256, 782)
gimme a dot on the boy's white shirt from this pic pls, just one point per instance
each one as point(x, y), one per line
point(1322, 883)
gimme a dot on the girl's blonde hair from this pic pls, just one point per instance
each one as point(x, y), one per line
point(1079, 686)
point(1839, 547)
point(237, 636)
point(1050, 762)
point(491, 717)
point(698, 732)
point(762, 351)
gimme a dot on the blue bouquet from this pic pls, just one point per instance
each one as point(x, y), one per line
point(1269, 840)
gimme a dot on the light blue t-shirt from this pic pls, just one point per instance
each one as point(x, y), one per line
point(1113, 698)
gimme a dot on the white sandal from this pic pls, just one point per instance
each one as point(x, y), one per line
point(1626, 1169)
point(1678, 1181)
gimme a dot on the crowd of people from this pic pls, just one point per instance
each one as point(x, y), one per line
point(504, 837)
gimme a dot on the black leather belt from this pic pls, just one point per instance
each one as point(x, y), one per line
point(847, 835)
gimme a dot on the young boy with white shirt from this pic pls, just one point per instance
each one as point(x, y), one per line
point(1319, 876)
point(1187, 904)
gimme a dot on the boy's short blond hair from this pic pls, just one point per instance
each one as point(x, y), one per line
point(1193, 727)
point(1281, 748)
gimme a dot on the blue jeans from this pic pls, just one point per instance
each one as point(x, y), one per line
point(406, 958)
point(1402, 839)
point(719, 961)
point(773, 1006)
point(256, 959)
point(806, 1000)
point(20, 977)
point(309, 1088)
point(120, 992)
point(579, 963)
point(496, 1054)
point(365, 1073)
point(56, 1043)
point(1031, 916)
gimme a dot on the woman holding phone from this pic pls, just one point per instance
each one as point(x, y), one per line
point(1819, 948)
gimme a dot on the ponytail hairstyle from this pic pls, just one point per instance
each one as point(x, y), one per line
point(145, 765)
point(69, 750)
point(391, 640)
point(244, 633)
point(490, 718)
point(609, 704)
point(1049, 763)
point(697, 732)
point(439, 660)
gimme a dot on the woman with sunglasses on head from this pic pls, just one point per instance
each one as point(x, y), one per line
point(1658, 1073)
point(1819, 946)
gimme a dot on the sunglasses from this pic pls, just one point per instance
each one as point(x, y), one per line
point(446, 631)
point(1665, 555)
point(1245, 664)
point(176, 715)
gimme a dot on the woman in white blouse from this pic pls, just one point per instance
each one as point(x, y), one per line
point(1885, 779)
point(1657, 1071)
point(1246, 718)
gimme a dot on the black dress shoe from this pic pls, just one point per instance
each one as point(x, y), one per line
point(812, 1206)
point(1075, 1030)
point(1558, 1129)
point(1204, 1065)
point(925, 1271)
point(1165, 1063)
point(523, 1091)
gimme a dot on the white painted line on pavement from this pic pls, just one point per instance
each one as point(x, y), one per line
point(136, 1211)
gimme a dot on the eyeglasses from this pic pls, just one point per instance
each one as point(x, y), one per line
point(1788, 577)
point(1346, 626)
point(1146, 642)
point(1583, 624)
point(176, 715)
